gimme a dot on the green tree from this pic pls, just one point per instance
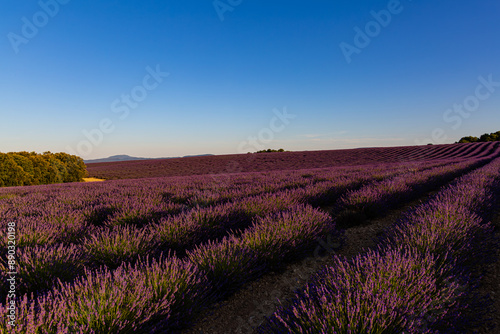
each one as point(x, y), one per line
point(494, 136)
point(75, 166)
point(485, 137)
point(468, 139)
point(27, 165)
point(10, 173)
point(57, 170)
point(41, 167)
point(269, 150)
point(30, 168)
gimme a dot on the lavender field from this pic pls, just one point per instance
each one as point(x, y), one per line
point(154, 254)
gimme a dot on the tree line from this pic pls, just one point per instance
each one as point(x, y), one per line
point(271, 150)
point(31, 168)
point(494, 136)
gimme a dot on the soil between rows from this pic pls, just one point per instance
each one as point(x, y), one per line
point(490, 286)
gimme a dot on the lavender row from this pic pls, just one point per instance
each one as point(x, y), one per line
point(376, 199)
point(419, 278)
point(62, 214)
point(100, 203)
point(233, 261)
point(68, 216)
point(165, 294)
point(40, 265)
point(282, 161)
point(109, 246)
point(227, 264)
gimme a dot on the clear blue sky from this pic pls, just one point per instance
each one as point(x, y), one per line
point(72, 66)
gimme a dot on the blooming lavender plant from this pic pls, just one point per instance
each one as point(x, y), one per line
point(276, 237)
point(376, 292)
point(375, 199)
point(122, 244)
point(149, 297)
point(38, 267)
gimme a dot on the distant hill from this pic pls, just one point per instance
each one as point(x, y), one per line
point(114, 158)
point(124, 157)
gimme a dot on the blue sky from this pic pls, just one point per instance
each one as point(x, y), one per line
point(170, 78)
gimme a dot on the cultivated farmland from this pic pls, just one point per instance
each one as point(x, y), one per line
point(158, 249)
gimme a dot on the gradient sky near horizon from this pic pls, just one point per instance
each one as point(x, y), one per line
point(66, 68)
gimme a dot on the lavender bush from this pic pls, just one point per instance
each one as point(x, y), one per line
point(377, 292)
point(122, 244)
point(38, 267)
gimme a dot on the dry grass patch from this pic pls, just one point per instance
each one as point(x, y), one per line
point(92, 179)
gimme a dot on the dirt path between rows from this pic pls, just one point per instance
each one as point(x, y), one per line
point(247, 308)
point(491, 284)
